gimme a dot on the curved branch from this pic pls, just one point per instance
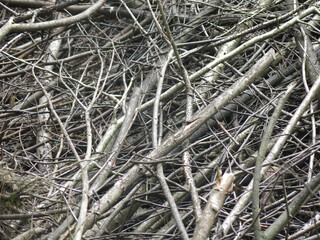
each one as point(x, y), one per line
point(21, 27)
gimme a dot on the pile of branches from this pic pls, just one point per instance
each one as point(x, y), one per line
point(159, 119)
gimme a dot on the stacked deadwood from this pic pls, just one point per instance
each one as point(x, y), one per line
point(159, 120)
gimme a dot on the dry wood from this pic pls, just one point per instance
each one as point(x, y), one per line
point(116, 116)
